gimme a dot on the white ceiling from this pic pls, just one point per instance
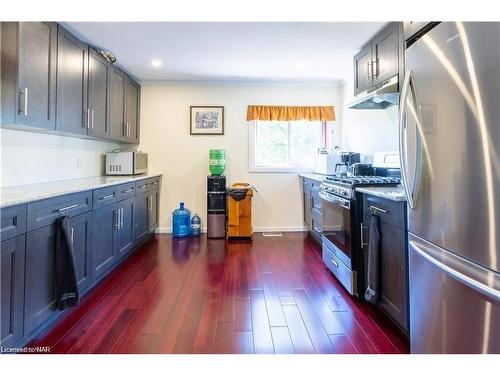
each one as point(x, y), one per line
point(256, 51)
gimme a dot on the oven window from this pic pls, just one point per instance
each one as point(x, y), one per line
point(337, 226)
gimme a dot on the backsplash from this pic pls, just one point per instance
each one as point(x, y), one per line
point(29, 158)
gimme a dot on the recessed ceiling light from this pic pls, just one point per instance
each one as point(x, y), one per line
point(299, 64)
point(156, 63)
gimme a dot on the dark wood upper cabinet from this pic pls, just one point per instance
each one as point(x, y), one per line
point(117, 88)
point(28, 74)
point(378, 60)
point(363, 69)
point(98, 95)
point(72, 70)
point(385, 54)
point(132, 111)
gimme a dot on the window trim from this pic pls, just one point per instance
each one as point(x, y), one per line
point(252, 168)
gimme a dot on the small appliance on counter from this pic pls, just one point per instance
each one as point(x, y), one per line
point(361, 169)
point(325, 162)
point(346, 160)
point(126, 163)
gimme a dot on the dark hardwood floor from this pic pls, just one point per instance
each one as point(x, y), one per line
point(208, 296)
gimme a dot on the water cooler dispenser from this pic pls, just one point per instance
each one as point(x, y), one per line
point(216, 206)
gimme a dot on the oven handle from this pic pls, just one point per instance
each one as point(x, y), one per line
point(344, 203)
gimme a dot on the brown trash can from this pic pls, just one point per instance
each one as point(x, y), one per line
point(239, 212)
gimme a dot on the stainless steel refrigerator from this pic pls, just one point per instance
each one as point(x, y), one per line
point(450, 157)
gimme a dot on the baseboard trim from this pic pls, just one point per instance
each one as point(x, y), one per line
point(255, 229)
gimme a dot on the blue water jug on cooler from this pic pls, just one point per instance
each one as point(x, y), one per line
point(181, 221)
point(195, 225)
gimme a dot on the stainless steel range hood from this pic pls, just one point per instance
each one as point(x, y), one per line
point(383, 97)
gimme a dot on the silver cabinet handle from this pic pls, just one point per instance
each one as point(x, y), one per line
point(156, 183)
point(72, 232)
point(334, 262)
point(143, 186)
point(375, 67)
point(116, 215)
point(128, 190)
point(369, 67)
point(362, 237)
point(85, 123)
point(106, 197)
point(24, 110)
point(121, 217)
point(92, 122)
point(67, 208)
point(375, 209)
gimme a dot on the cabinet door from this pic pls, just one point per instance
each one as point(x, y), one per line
point(98, 91)
point(117, 86)
point(132, 112)
point(12, 299)
point(392, 269)
point(72, 74)
point(154, 200)
point(126, 226)
point(141, 217)
point(40, 302)
point(80, 227)
point(104, 237)
point(36, 88)
point(363, 69)
point(306, 200)
point(385, 54)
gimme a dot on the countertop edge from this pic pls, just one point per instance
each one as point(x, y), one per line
point(380, 194)
point(313, 176)
point(76, 190)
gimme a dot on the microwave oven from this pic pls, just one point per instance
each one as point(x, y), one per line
point(126, 163)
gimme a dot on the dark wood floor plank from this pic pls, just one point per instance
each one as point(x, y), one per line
point(243, 342)
point(298, 332)
point(273, 304)
point(282, 340)
point(313, 323)
point(342, 344)
point(272, 294)
point(262, 340)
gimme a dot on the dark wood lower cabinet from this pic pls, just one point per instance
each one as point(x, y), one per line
point(141, 217)
point(393, 284)
point(104, 239)
point(39, 289)
point(82, 244)
point(125, 240)
point(12, 298)
point(312, 206)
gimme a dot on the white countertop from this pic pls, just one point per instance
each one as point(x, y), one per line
point(393, 193)
point(13, 195)
point(313, 176)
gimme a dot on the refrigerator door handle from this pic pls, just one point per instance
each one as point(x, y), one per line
point(402, 143)
point(492, 293)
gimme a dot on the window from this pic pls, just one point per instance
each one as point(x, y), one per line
point(285, 146)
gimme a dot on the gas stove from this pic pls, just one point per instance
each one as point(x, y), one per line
point(344, 185)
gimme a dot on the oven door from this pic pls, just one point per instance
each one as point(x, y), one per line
point(336, 214)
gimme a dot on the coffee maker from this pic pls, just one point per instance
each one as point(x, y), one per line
point(346, 160)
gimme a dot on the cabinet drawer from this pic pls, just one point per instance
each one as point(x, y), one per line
point(105, 196)
point(390, 212)
point(340, 270)
point(45, 212)
point(154, 183)
point(126, 191)
point(13, 222)
point(142, 187)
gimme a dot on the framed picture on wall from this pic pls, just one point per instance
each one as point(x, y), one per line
point(207, 120)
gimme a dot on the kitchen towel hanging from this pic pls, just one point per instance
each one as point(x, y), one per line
point(66, 285)
point(372, 293)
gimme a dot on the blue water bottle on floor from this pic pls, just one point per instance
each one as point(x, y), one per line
point(195, 225)
point(181, 221)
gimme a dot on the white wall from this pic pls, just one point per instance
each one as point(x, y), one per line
point(28, 158)
point(368, 131)
point(183, 158)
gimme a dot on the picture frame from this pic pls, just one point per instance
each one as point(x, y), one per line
point(206, 120)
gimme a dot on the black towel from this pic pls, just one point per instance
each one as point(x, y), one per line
point(371, 294)
point(66, 286)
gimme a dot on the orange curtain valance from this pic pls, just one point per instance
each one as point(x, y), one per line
point(290, 113)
